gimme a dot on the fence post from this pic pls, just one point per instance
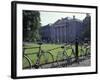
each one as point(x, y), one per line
point(76, 51)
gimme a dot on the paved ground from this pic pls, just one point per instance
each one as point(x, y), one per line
point(82, 62)
point(86, 62)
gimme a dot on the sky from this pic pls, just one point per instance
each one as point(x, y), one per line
point(51, 17)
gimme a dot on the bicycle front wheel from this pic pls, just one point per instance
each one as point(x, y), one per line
point(27, 63)
point(46, 60)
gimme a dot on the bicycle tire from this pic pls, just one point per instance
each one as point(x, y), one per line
point(27, 63)
point(88, 52)
point(72, 52)
point(62, 58)
point(45, 59)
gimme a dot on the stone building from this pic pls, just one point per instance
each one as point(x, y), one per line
point(45, 33)
point(63, 30)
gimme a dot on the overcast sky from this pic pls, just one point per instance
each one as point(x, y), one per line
point(51, 17)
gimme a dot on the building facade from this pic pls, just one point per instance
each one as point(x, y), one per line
point(63, 30)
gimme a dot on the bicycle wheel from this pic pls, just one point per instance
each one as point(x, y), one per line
point(61, 59)
point(34, 60)
point(46, 60)
point(82, 51)
point(88, 52)
point(70, 52)
point(27, 63)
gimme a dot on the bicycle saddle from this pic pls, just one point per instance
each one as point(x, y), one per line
point(62, 46)
point(40, 43)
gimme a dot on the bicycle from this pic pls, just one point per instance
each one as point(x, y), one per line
point(41, 58)
point(85, 50)
point(64, 56)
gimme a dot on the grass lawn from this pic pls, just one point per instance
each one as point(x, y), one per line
point(45, 47)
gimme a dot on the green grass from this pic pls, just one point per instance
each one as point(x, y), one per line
point(45, 47)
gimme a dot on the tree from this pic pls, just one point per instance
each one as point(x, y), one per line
point(31, 24)
point(87, 27)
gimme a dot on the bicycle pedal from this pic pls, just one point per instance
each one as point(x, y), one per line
point(36, 66)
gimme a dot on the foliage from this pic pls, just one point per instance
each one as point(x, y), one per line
point(87, 27)
point(31, 24)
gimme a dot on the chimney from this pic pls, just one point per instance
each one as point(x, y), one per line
point(73, 17)
point(87, 14)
